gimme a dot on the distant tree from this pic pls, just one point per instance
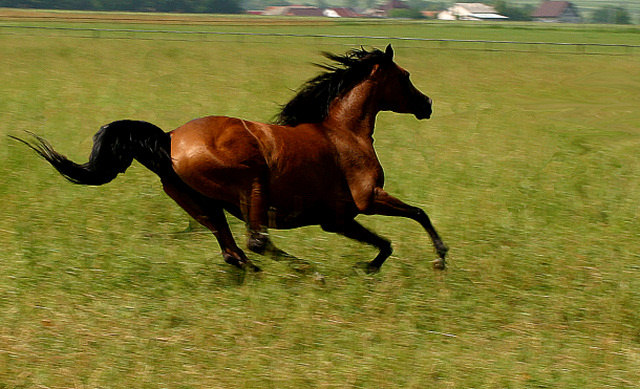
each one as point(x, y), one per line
point(405, 13)
point(351, 3)
point(417, 4)
point(209, 6)
point(370, 3)
point(611, 15)
point(223, 6)
point(436, 6)
point(261, 4)
point(513, 12)
point(426, 5)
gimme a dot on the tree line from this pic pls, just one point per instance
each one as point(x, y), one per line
point(605, 14)
point(188, 6)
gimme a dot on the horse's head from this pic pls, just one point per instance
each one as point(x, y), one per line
point(396, 91)
point(358, 80)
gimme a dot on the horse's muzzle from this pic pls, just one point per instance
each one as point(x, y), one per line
point(424, 110)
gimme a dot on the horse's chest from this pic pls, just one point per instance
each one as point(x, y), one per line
point(360, 162)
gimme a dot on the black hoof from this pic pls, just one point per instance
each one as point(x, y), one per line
point(258, 242)
point(241, 264)
point(367, 267)
point(252, 267)
point(439, 264)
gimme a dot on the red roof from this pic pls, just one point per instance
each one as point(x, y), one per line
point(551, 9)
point(296, 10)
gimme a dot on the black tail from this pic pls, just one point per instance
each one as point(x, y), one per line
point(114, 148)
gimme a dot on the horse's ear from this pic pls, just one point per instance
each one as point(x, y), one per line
point(389, 52)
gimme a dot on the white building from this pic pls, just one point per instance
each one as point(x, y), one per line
point(470, 11)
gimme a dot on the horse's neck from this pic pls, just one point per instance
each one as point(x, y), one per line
point(355, 111)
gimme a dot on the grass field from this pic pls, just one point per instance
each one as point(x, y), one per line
point(529, 168)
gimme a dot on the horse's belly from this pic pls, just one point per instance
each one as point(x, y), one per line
point(305, 215)
point(309, 204)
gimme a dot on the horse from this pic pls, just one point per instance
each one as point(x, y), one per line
point(314, 164)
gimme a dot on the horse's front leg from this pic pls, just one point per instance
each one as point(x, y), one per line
point(385, 204)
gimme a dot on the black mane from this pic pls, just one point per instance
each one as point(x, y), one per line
point(311, 103)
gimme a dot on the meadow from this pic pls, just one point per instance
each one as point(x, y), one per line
point(529, 169)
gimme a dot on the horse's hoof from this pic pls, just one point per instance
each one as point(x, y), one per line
point(231, 260)
point(252, 267)
point(258, 242)
point(439, 264)
point(367, 267)
point(241, 264)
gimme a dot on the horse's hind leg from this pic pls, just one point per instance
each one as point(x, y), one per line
point(257, 219)
point(354, 230)
point(211, 216)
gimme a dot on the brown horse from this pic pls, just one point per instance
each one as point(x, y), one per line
point(315, 165)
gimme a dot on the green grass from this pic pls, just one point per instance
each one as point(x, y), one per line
point(529, 168)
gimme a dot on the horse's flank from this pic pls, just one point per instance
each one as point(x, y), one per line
point(221, 157)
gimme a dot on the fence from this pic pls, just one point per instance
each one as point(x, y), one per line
point(209, 36)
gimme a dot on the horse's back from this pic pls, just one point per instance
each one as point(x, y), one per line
point(214, 133)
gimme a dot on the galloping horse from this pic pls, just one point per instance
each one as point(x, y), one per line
point(315, 165)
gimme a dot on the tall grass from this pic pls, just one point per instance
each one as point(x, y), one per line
point(529, 168)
